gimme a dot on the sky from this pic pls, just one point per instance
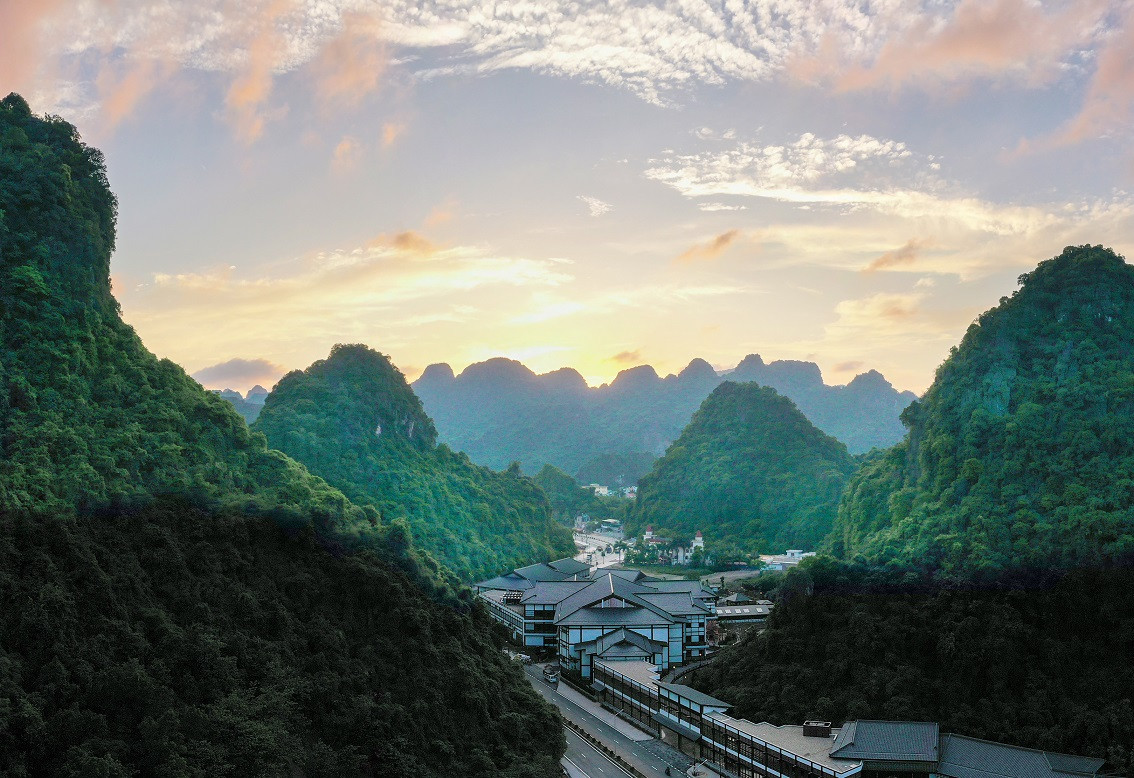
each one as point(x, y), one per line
point(586, 184)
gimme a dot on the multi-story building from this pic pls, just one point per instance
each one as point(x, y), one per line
point(616, 615)
point(698, 724)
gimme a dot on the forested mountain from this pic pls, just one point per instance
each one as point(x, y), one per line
point(750, 471)
point(352, 419)
point(1036, 661)
point(1022, 450)
point(180, 599)
point(500, 411)
point(568, 499)
point(249, 407)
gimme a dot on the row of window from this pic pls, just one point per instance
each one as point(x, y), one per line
point(730, 749)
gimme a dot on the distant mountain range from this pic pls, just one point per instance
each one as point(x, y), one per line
point(249, 407)
point(499, 411)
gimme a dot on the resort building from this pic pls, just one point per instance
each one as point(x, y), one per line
point(616, 615)
point(698, 724)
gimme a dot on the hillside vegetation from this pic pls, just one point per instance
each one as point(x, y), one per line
point(1022, 450)
point(1037, 661)
point(750, 471)
point(352, 419)
point(180, 599)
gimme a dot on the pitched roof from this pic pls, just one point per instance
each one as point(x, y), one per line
point(966, 757)
point(609, 585)
point(612, 617)
point(676, 603)
point(569, 566)
point(541, 571)
point(509, 582)
point(691, 694)
point(551, 592)
point(624, 642)
point(904, 741)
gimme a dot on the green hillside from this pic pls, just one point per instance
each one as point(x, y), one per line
point(750, 471)
point(352, 419)
point(179, 599)
point(1036, 661)
point(1022, 450)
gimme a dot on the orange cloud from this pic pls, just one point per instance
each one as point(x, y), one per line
point(408, 242)
point(248, 93)
point(350, 65)
point(346, 154)
point(23, 23)
point(120, 93)
point(625, 357)
point(982, 38)
point(1109, 103)
point(710, 249)
point(905, 255)
point(442, 213)
point(391, 131)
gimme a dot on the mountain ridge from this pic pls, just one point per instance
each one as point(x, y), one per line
point(500, 411)
point(352, 419)
point(750, 471)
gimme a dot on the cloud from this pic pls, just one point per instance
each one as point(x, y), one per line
point(121, 92)
point(239, 372)
point(25, 25)
point(251, 88)
point(907, 254)
point(391, 131)
point(408, 242)
point(807, 169)
point(627, 357)
point(711, 207)
point(345, 155)
point(596, 206)
point(657, 51)
point(710, 249)
point(889, 189)
point(979, 39)
point(350, 64)
point(1109, 103)
point(441, 214)
point(849, 367)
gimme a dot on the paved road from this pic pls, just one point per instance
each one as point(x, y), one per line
point(651, 756)
point(585, 761)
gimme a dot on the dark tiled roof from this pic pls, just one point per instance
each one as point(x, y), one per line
point(611, 617)
point(676, 603)
point(542, 572)
point(904, 741)
point(691, 694)
point(552, 592)
point(966, 757)
point(621, 642)
point(510, 582)
point(607, 586)
point(569, 566)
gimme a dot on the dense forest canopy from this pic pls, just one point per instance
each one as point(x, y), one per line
point(87, 414)
point(180, 599)
point(569, 500)
point(352, 419)
point(499, 412)
point(1022, 450)
point(750, 471)
point(1036, 661)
